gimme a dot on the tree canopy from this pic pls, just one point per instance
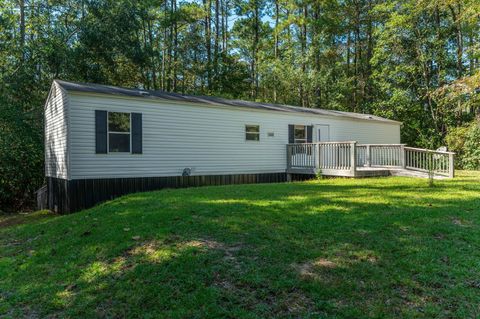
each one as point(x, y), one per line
point(416, 61)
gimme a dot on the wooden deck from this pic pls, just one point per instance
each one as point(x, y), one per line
point(350, 159)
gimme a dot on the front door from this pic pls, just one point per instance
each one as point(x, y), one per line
point(322, 132)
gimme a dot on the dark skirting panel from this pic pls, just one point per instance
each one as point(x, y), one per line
point(74, 195)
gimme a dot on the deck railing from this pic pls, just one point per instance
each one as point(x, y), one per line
point(380, 155)
point(335, 155)
point(439, 162)
point(302, 155)
point(332, 157)
point(344, 158)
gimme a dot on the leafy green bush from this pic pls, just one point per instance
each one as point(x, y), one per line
point(21, 155)
point(471, 156)
point(465, 142)
point(455, 140)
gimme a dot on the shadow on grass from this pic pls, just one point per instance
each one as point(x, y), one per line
point(393, 247)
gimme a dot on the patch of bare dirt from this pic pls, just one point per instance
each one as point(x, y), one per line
point(439, 236)
point(287, 303)
point(150, 248)
point(26, 312)
point(144, 248)
point(473, 284)
point(21, 218)
point(460, 222)
point(229, 251)
point(324, 263)
point(204, 243)
point(311, 269)
point(295, 302)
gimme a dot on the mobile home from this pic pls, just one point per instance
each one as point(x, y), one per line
point(104, 141)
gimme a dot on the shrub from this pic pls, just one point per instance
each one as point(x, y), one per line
point(471, 148)
point(21, 156)
point(465, 142)
point(455, 140)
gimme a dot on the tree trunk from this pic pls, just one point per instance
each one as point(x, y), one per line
point(316, 46)
point(152, 53)
point(208, 5)
point(175, 47)
point(367, 94)
point(170, 48)
point(164, 53)
point(303, 41)
point(255, 49)
point(358, 56)
point(459, 37)
point(275, 51)
point(21, 4)
point(217, 40)
point(349, 43)
point(225, 26)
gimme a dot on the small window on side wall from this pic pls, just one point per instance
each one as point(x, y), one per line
point(252, 132)
point(119, 132)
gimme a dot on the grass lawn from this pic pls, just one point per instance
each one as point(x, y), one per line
point(335, 248)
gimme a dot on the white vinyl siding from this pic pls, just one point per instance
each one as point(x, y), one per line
point(208, 139)
point(56, 133)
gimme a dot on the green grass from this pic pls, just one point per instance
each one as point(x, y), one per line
point(336, 248)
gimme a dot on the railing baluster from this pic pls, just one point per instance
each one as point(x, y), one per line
point(304, 157)
point(327, 156)
point(338, 154)
point(330, 155)
point(305, 149)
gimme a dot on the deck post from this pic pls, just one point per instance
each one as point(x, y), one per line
point(316, 150)
point(353, 159)
point(451, 165)
point(402, 155)
point(289, 157)
point(368, 159)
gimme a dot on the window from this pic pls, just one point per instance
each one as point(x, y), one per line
point(300, 134)
point(118, 132)
point(252, 132)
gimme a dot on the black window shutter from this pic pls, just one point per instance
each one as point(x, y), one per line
point(291, 134)
point(100, 132)
point(136, 133)
point(309, 133)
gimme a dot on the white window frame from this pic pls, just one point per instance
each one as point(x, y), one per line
point(300, 140)
point(129, 132)
point(247, 132)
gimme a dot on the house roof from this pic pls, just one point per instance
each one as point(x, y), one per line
point(210, 100)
